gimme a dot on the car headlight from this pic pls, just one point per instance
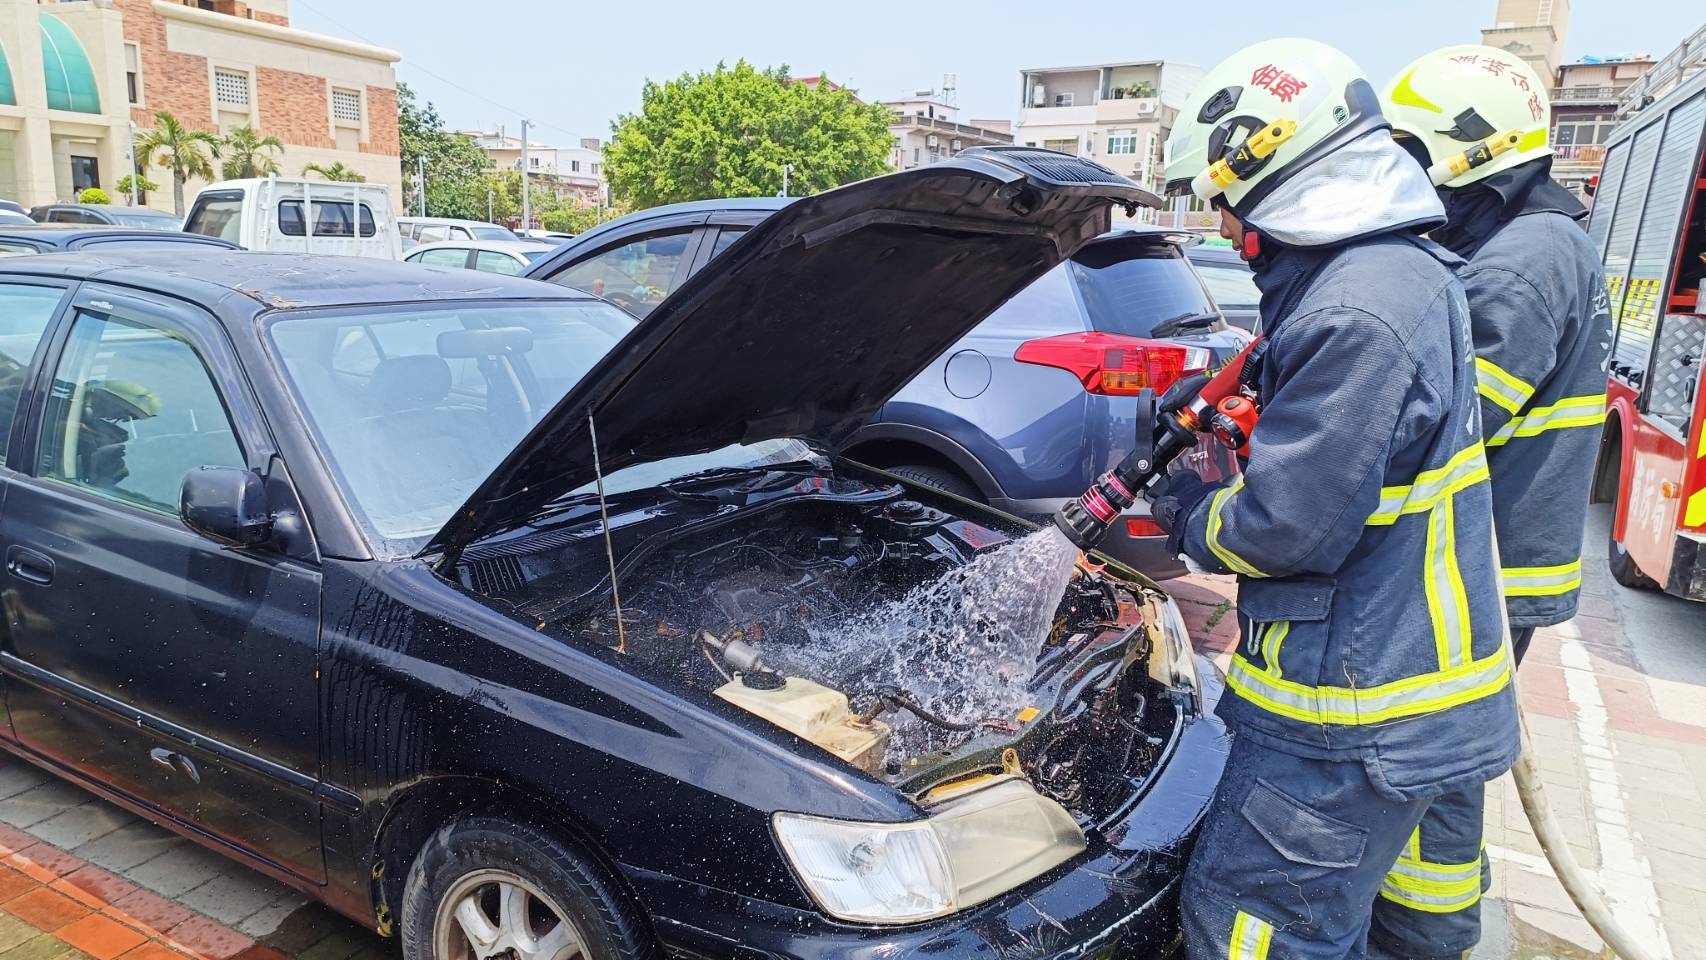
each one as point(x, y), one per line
point(975, 845)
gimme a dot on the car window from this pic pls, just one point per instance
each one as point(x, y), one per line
point(65, 216)
point(1046, 307)
point(10, 249)
point(492, 261)
point(460, 233)
point(432, 233)
point(332, 218)
point(492, 233)
point(415, 407)
point(24, 315)
point(442, 257)
point(1129, 287)
point(216, 216)
point(725, 237)
point(1230, 285)
point(147, 221)
point(131, 411)
point(143, 243)
point(635, 276)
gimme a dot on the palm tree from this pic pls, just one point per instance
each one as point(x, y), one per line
point(334, 171)
point(183, 151)
point(244, 153)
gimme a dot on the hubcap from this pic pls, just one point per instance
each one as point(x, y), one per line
point(496, 915)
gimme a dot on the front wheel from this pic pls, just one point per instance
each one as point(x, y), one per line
point(1622, 565)
point(485, 888)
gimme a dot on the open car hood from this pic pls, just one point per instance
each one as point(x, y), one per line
point(809, 323)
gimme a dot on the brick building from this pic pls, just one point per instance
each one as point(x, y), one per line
point(77, 75)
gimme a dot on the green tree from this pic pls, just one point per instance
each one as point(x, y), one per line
point(244, 153)
point(506, 196)
point(571, 219)
point(183, 151)
point(456, 167)
point(93, 195)
point(728, 133)
point(334, 171)
point(143, 185)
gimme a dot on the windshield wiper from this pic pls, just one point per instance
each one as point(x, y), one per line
point(1173, 326)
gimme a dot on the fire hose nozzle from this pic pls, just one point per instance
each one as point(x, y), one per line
point(1085, 520)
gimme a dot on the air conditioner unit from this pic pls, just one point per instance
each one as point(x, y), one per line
point(1039, 96)
point(955, 145)
point(1146, 106)
point(930, 141)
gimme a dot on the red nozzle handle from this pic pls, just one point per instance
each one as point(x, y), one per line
point(1225, 381)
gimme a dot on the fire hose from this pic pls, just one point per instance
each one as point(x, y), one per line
point(1226, 407)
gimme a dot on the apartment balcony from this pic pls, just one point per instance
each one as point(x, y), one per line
point(1585, 94)
point(964, 131)
point(1128, 110)
point(1083, 115)
point(1577, 160)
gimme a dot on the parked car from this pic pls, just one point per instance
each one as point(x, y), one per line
point(1230, 281)
point(493, 256)
point(469, 738)
point(45, 238)
point(14, 206)
point(549, 236)
point(435, 229)
point(100, 213)
point(9, 218)
point(1016, 414)
point(347, 219)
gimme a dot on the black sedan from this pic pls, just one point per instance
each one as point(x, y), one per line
point(24, 240)
point(514, 627)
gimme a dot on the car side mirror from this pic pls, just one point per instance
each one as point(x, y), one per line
point(226, 505)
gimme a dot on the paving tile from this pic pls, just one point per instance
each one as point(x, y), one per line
point(14, 931)
point(130, 845)
point(46, 909)
point(152, 950)
point(1678, 868)
point(178, 870)
point(44, 946)
point(13, 883)
point(149, 912)
point(204, 938)
point(43, 862)
point(260, 952)
point(40, 802)
point(94, 886)
point(1563, 927)
point(16, 776)
point(338, 946)
point(12, 840)
point(267, 920)
point(230, 897)
point(80, 824)
point(102, 938)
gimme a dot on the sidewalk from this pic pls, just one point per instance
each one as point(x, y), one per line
point(1616, 708)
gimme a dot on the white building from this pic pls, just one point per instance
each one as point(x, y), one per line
point(927, 128)
point(576, 171)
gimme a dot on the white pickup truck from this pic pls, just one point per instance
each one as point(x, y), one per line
point(348, 219)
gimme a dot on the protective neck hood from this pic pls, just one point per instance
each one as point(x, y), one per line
point(1366, 187)
point(1475, 212)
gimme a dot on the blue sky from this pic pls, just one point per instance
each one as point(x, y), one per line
point(572, 67)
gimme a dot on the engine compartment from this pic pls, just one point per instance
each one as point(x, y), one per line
point(766, 604)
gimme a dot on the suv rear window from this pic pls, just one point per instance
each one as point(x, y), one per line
point(216, 215)
point(1129, 287)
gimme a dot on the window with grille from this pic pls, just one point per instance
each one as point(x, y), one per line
point(133, 72)
point(231, 87)
point(1122, 141)
point(346, 105)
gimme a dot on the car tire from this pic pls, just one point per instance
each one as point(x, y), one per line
point(518, 880)
point(1623, 568)
point(942, 479)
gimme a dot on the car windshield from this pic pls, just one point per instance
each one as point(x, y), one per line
point(533, 255)
point(1130, 286)
point(414, 407)
point(150, 221)
point(1231, 284)
point(491, 233)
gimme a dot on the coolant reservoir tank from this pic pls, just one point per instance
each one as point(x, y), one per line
point(817, 713)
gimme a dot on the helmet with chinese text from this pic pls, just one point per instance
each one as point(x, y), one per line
point(1469, 111)
point(1263, 114)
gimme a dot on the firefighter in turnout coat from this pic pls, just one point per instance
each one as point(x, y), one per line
point(1476, 119)
point(1372, 678)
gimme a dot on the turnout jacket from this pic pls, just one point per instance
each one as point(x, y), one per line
point(1360, 526)
point(1537, 304)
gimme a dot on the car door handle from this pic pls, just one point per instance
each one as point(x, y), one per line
point(26, 564)
point(175, 762)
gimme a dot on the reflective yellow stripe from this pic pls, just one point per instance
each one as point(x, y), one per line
point(1354, 706)
point(1543, 581)
point(1414, 849)
point(1448, 603)
point(1251, 938)
point(1498, 385)
point(1566, 413)
point(1233, 561)
point(1271, 640)
point(1695, 514)
point(1466, 469)
point(1431, 887)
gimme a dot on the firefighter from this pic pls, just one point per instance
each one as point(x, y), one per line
point(1476, 119)
point(1372, 677)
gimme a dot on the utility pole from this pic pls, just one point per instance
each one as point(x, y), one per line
point(135, 171)
point(787, 168)
point(526, 201)
point(489, 192)
point(420, 185)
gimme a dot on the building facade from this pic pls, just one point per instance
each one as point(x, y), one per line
point(1585, 96)
point(575, 174)
point(927, 128)
point(80, 75)
point(1118, 114)
point(1533, 30)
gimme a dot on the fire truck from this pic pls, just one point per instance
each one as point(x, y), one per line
point(1649, 224)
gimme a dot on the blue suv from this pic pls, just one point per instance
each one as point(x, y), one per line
point(1023, 412)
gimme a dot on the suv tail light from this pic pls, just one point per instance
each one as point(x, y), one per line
point(1113, 365)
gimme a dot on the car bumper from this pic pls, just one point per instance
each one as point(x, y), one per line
point(1146, 554)
point(1120, 899)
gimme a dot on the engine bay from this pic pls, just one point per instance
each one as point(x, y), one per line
point(840, 612)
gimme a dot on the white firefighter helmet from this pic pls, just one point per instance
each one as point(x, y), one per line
point(1468, 112)
point(1264, 113)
